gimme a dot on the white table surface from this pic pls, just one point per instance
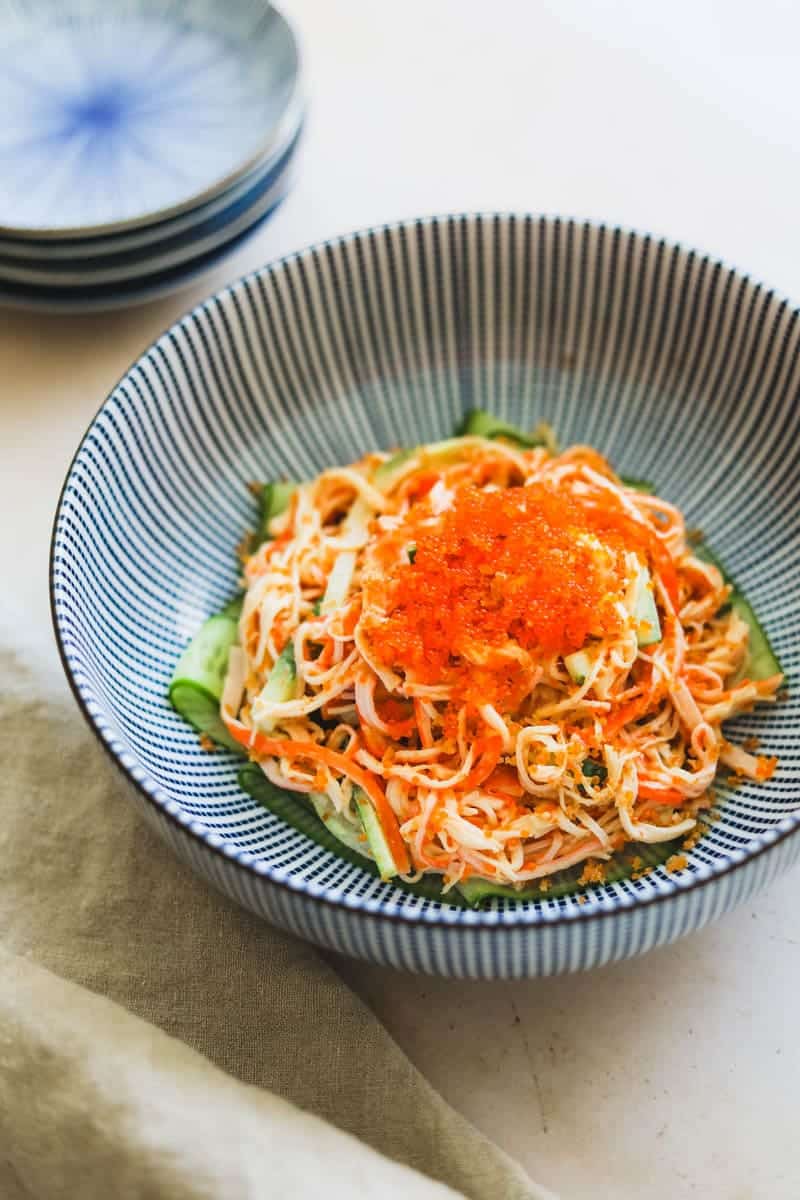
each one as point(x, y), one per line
point(673, 1076)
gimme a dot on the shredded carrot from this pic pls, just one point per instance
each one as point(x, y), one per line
point(505, 782)
point(374, 740)
point(625, 714)
point(657, 795)
point(261, 745)
point(489, 750)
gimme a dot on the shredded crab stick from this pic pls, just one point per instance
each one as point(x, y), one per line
point(489, 660)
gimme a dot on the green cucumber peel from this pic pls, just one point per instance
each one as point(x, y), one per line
point(272, 499)
point(479, 423)
point(289, 807)
point(196, 686)
point(381, 851)
point(566, 883)
point(637, 485)
point(342, 829)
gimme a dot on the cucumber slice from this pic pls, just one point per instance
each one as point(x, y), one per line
point(204, 662)
point(273, 499)
point(445, 451)
point(341, 829)
point(387, 473)
point(762, 662)
point(565, 883)
point(280, 494)
point(201, 710)
point(279, 686)
point(289, 807)
point(233, 609)
point(339, 581)
point(648, 626)
point(375, 836)
point(475, 890)
point(637, 485)
point(479, 423)
point(198, 679)
point(579, 665)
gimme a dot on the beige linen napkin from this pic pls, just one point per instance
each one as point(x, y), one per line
point(95, 1103)
point(117, 1105)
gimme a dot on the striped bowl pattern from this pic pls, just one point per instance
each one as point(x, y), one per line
point(679, 368)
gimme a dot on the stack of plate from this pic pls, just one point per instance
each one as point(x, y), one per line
point(140, 141)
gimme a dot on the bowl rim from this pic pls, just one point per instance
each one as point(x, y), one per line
point(434, 913)
point(271, 139)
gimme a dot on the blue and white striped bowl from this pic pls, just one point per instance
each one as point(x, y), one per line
point(681, 369)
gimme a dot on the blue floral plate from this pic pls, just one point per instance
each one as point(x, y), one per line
point(679, 368)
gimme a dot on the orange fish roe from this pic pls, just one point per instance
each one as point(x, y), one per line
point(499, 570)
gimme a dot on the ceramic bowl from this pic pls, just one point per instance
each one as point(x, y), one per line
point(681, 369)
point(97, 140)
point(89, 251)
point(121, 271)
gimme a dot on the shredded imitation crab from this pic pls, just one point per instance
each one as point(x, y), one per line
point(513, 658)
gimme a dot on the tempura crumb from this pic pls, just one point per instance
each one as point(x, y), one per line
point(243, 547)
point(581, 899)
point(593, 872)
point(766, 767)
point(678, 862)
point(545, 885)
point(206, 743)
point(691, 839)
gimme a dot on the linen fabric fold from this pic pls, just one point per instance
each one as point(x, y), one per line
point(92, 1098)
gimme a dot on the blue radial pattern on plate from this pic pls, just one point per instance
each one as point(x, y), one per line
point(117, 112)
point(120, 267)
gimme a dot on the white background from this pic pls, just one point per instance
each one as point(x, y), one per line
point(673, 1076)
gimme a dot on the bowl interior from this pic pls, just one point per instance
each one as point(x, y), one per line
point(681, 370)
